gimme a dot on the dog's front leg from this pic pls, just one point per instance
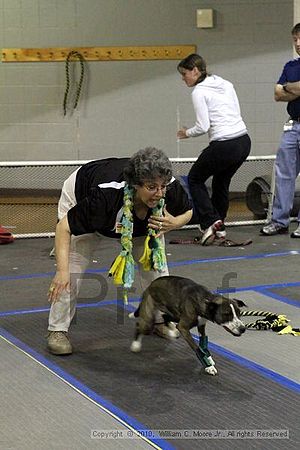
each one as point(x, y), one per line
point(206, 360)
point(200, 353)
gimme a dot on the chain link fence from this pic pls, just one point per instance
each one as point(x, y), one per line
point(30, 191)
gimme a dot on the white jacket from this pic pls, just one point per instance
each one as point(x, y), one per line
point(217, 110)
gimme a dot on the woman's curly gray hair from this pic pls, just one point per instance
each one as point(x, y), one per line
point(146, 165)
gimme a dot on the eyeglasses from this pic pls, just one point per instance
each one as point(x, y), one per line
point(154, 189)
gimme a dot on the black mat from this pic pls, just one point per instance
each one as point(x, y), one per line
point(31, 292)
point(164, 387)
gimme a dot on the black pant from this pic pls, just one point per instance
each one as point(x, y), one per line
point(221, 160)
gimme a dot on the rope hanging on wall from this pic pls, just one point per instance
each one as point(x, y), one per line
point(73, 54)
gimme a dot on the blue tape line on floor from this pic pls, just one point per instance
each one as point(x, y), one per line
point(280, 298)
point(17, 312)
point(170, 264)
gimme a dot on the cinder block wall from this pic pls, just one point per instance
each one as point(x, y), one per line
point(128, 105)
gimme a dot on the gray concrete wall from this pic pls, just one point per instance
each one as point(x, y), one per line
point(128, 105)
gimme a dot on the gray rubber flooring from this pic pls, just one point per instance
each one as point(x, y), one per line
point(53, 402)
point(39, 411)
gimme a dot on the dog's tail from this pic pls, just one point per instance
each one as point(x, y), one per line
point(135, 314)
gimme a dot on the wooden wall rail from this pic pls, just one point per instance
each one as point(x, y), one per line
point(98, 53)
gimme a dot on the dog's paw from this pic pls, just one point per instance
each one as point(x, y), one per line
point(166, 332)
point(173, 334)
point(211, 361)
point(211, 370)
point(136, 346)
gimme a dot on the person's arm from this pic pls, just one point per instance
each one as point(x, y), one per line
point(171, 223)
point(292, 88)
point(177, 211)
point(202, 123)
point(287, 92)
point(168, 222)
point(61, 280)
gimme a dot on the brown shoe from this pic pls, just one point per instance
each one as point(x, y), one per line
point(59, 343)
point(166, 332)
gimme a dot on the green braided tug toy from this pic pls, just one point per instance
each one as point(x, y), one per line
point(153, 258)
point(270, 321)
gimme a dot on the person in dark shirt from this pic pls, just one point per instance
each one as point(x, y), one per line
point(287, 163)
point(122, 198)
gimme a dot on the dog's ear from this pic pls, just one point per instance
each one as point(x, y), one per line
point(214, 300)
point(212, 304)
point(239, 302)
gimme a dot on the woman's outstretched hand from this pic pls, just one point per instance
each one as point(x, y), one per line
point(181, 134)
point(163, 224)
point(60, 283)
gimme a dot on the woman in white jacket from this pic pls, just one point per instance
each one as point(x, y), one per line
point(217, 113)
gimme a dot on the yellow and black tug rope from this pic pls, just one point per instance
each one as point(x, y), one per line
point(270, 321)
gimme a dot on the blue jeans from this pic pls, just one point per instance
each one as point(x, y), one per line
point(287, 168)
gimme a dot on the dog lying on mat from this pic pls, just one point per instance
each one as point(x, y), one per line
point(189, 304)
